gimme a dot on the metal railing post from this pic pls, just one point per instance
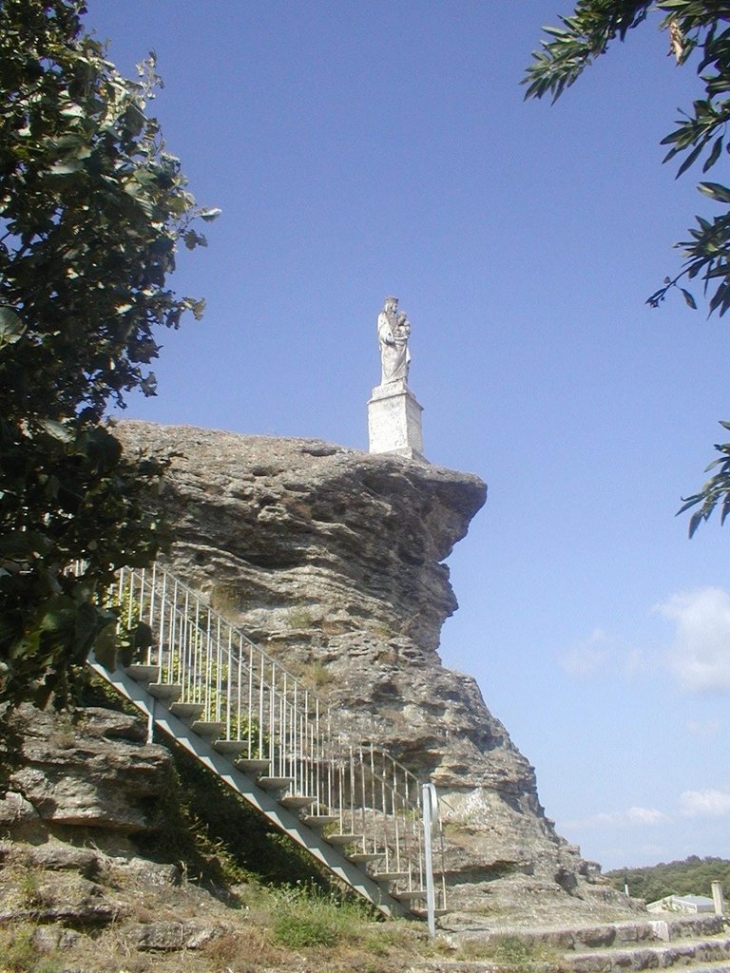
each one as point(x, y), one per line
point(430, 818)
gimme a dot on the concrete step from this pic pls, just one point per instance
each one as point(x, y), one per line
point(389, 876)
point(650, 930)
point(420, 913)
point(409, 895)
point(253, 765)
point(143, 674)
point(274, 783)
point(714, 968)
point(684, 953)
point(684, 926)
point(187, 711)
point(344, 839)
point(168, 691)
point(295, 802)
point(321, 820)
point(363, 857)
point(697, 944)
point(208, 728)
point(230, 748)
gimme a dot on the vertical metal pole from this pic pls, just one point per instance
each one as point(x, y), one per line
point(363, 802)
point(273, 742)
point(167, 677)
point(317, 757)
point(251, 721)
point(262, 685)
point(151, 721)
point(386, 823)
point(429, 817)
point(239, 689)
point(129, 577)
point(177, 644)
point(352, 797)
point(153, 620)
point(229, 674)
point(286, 770)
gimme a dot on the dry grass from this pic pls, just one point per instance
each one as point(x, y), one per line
point(263, 933)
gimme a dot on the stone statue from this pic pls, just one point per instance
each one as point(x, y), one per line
point(393, 331)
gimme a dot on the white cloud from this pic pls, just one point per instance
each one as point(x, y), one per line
point(600, 654)
point(643, 816)
point(700, 657)
point(705, 729)
point(588, 657)
point(646, 815)
point(704, 804)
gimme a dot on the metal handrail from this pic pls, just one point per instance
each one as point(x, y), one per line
point(264, 716)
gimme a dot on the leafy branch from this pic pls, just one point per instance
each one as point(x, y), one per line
point(694, 27)
point(715, 491)
point(93, 209)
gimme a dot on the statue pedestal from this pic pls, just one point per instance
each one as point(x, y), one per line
point(394, 421)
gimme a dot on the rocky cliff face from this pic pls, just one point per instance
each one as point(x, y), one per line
point(333, 560)
point(77, 792)
point(92, 770)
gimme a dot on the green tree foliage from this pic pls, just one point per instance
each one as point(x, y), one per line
point(693, 876)
point(697, 30)
point(92, 209)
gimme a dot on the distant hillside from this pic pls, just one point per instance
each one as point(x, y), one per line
point(693, 876)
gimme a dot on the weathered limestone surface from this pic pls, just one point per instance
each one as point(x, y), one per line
point(333, 560)
point(91, 769)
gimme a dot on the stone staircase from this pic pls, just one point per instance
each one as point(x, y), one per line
point(701, 943)
point(696, 944)
point(359, 812)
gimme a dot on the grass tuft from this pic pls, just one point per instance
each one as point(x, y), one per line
point(306, 916)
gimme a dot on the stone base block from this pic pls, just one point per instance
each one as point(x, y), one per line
point(394, 421)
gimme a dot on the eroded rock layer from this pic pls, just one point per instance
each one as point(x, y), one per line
point(333, 561)
point(91, 769)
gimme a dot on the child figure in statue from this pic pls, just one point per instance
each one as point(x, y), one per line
point(393, 332)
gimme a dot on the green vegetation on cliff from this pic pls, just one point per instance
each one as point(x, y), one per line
point(92, 212)
point(693, 876)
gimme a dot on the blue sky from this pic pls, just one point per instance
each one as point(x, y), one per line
point(362, 149)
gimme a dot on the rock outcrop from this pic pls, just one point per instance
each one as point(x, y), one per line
point(333, 561)
point(76, 895)
point(92, 769)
